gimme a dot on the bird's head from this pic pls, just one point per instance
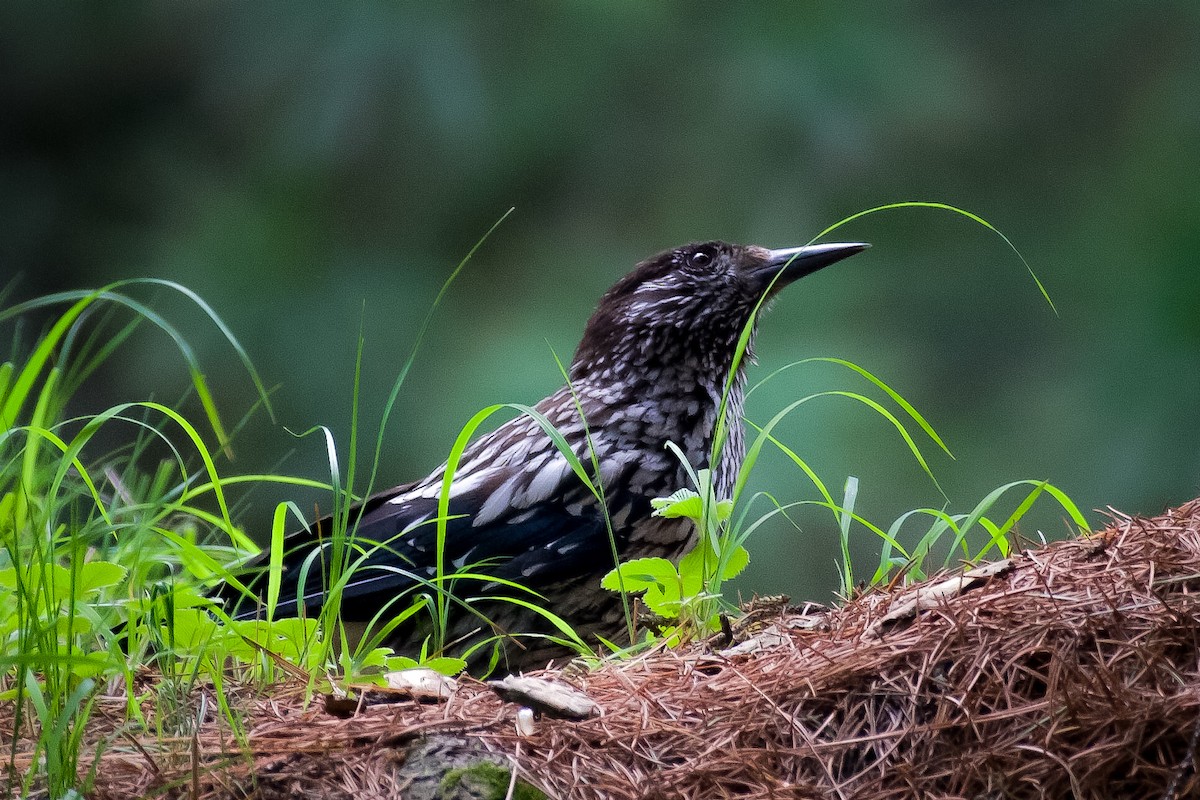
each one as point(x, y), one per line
point(691, 304)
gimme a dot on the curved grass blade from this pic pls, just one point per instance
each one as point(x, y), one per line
point(81, 300)
point(956, 210)
point(394, 394)
point(892, 393)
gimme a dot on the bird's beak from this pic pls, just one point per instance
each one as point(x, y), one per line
point(793, 263)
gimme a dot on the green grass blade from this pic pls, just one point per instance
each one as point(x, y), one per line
point(908, 408)
point(904, 434)
point(83, 299)
point(798, 461)
point(394, 394)
point(226, 332)
point(954, 209)
point(6, 378)
point(23, 385)
point(596, 489)
point(275, 560)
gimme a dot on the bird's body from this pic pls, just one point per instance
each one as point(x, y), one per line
point(651, 368)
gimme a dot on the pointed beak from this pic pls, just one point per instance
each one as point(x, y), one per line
point(793, 263)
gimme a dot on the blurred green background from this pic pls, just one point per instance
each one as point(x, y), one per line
point(309, 170)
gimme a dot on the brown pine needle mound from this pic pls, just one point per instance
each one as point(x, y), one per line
point(1073, 671)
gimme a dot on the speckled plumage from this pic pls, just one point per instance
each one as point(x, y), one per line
point(651, 368)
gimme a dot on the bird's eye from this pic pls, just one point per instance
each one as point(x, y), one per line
point(701, 258)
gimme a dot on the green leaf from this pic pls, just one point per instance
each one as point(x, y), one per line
point(738, 559)
point(690, 504)
point(96, 575)
point(194, 630)
point(373, 662)
point(446, 665)
point(69, 626)
point(640, 574)
point(289, 638)
point(697, 567)
point(657, 577)
point(398, 663)
point(683, 503)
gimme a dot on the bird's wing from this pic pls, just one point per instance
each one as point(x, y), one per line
point(534, 523)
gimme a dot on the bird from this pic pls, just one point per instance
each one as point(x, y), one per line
point(652, 367)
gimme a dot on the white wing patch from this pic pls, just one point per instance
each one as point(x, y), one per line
point(497, 502)
point(544, 484)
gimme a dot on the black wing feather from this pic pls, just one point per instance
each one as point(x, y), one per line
point(534, 546)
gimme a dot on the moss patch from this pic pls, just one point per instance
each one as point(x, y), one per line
point(485, 781)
